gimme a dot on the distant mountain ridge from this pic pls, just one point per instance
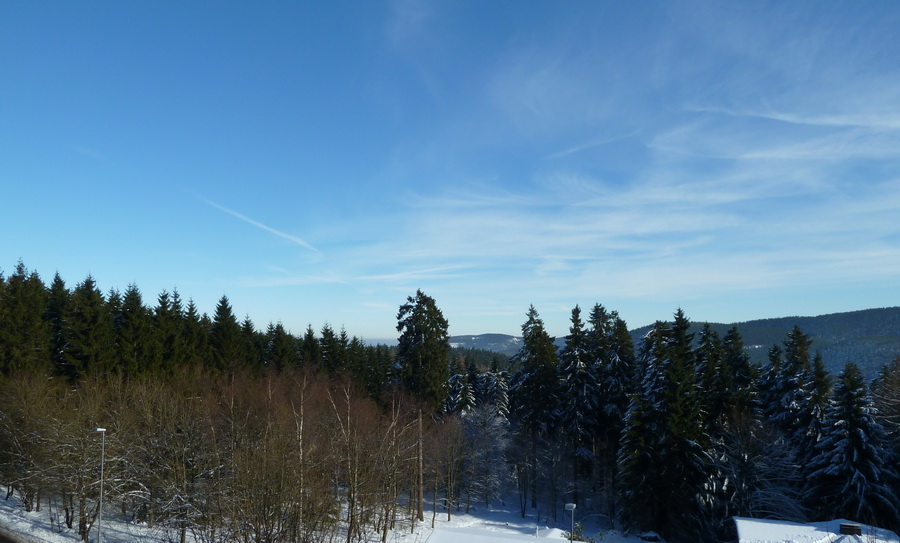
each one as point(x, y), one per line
point(869, 337)
point(498, 343)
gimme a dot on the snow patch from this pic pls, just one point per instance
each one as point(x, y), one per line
point(751, 530)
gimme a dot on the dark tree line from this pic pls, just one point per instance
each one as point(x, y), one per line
point(80, 332)
point(229, 432)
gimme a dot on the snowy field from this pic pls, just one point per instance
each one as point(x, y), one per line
point(771, 531)
point(480, 526)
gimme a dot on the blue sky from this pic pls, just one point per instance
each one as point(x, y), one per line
point(319, 162)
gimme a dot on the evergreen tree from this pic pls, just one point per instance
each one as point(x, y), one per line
point(852, 475)
point(494, 387)
point(489, 439)
point(672, 496)
point(456, 389)
point(467, 399)
point(536, 388)
point(333, 349)
point(25, 337)
point(225, 337)
point(88, 331)
point(535, 393)
point(886, 392)
point(311, 349)
point(715, 380)
point(580, 398)
point(138, 349)
point(423, 349)
point(167, 324)
point(612, 354)
point(790, 387)
point(56, 314)
point(462, 393)
point(357, 358)
point(253, 346)
point(195, 336)
point(744, 375)
point(375, 372)
point(281, 349)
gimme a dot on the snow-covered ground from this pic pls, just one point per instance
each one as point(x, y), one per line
point(772, 531)
point(500, 525)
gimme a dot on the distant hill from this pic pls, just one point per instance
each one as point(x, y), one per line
point(870, 337)
point(498, 343)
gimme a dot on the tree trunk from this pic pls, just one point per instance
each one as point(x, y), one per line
point(421, 511)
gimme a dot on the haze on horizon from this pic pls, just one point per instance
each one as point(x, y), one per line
point(320, 162)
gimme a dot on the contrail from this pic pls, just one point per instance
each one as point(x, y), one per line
point(292, 239)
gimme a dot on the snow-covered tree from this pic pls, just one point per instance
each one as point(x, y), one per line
point(580, 397)
point(488, 440)
point(535, 392)
point(666, 469)
point(461, 391)
point(715, 379)
point(851, 474)
point(493, 387)
point(886, 392)
point(611, 349)
point(744, 375)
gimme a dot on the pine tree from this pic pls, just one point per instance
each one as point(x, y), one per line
point(138, 349)
point(489, 439)
point(745, 402)
point(25, 337)
point(664, 421)
point(886, 392)
point(281, 350)
point(333, 349)
point(311, 349)
point(494, 387)
point(641, 507)
point(253, 346)
point(535, 393)
point(769, 392)
point(580, 398)
point(88, 331)
point(167, 323)
point(423, 349)
point(467, 398)
point(852, 475)
point(791, 386)
point(225, 337)
point(56, 314)
point(195, 337)
point(612, 354)
point(455, 385)
point(375, 371)
point(536, 388)
point(715, 380)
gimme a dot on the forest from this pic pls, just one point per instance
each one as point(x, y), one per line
point(222, 431)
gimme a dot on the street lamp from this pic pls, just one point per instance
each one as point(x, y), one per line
point(571, 507)
point(102, 462)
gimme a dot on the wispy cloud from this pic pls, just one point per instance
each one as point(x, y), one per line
point(293, 239)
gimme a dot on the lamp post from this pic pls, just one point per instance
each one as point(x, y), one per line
point(571, 507)
point(102, 462)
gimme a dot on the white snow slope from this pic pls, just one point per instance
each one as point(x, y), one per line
point(752, 530)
